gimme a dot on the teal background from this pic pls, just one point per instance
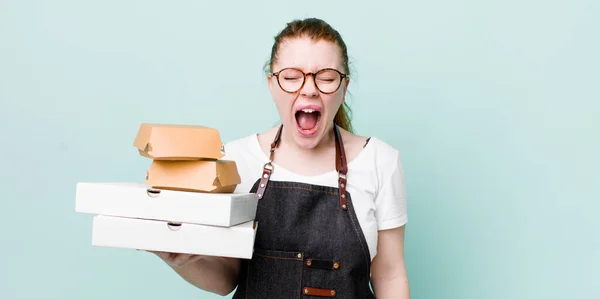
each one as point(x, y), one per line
point(494, 105)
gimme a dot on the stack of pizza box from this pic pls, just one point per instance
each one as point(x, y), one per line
point(187, 203)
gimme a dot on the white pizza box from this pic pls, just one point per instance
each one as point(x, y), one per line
point(155, 235)
point(136, 200)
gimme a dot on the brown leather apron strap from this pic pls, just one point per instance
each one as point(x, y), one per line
point(340, 165)
point(268, 167)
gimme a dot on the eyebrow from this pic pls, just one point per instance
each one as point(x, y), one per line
point(313, 71)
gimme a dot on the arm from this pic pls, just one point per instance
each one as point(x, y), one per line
point(213, 274)
point(388, 270)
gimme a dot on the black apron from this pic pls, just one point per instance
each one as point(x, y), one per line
point(308, 243)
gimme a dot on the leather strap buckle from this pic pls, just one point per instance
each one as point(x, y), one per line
point(341, 165)
point(268, 166)
point(264, 179)
point(342, 188)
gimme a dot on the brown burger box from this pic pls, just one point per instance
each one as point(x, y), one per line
point(186, 158)
point(178, 142)
point(211, 176)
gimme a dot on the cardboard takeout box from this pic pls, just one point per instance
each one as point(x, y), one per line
point(236, 241)
point(178, 142)
point(188, 203)
point(211, 176)
point(134, 200)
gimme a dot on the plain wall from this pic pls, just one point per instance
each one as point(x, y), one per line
point(493, 104)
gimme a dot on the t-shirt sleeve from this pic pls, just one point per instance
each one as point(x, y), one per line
point(390, 203)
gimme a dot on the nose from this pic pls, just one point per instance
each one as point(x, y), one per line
point(309, 89)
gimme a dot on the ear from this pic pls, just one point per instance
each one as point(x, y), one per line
point(345, 86)
point(270, 82)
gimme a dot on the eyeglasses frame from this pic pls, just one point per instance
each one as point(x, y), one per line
point(314, 75)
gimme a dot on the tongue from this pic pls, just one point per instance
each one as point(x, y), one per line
point(306, 121)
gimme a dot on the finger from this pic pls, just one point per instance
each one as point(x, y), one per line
point(186, 259)
point(180, 259)
point(165, 256)
point(196, 258)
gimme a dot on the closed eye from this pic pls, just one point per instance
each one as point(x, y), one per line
point(326, 80)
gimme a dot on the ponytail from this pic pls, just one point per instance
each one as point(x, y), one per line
point(342, 118)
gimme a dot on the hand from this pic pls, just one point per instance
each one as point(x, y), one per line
point(178, 260)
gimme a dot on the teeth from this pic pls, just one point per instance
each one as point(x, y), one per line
point(308, 110)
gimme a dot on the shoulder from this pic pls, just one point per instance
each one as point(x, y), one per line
point(245, 152)
point(386, 164)
point(378, 155)
point(252, 143)
point(372, 156)
point(238, 146)
point(390, 198)
point(385, 154)
point(383, 147)
point(380, 149)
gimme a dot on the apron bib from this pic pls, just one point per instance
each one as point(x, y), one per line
point(309, 243)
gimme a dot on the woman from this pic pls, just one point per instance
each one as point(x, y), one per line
point(332, 209)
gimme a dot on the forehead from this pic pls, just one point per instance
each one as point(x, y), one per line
point(308, 55)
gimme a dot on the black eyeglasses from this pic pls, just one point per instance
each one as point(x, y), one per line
point(326, 80)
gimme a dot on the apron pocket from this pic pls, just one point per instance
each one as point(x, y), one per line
point(275, 274)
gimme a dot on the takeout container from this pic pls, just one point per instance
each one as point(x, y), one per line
point(178, 142)
point(136, 200)
point(217, 176)
point(186, 158)
point(186, 204)
point(236, 241)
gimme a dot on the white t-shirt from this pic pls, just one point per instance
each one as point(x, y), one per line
point(375, 182)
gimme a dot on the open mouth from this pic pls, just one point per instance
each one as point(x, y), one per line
point(307, 120)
